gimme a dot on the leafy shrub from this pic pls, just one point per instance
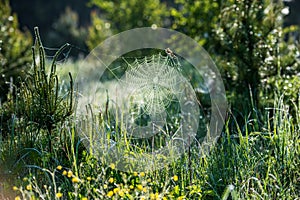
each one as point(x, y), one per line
point(98, 31)
point(39, 103)
point(197, 19)
point(117, 16)
point(284, 74)
point(14, 49)
point(247, 41)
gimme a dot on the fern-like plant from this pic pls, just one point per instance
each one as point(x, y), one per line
point(40, 102)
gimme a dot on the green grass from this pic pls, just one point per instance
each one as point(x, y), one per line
point(259, 159)
point(263, 163)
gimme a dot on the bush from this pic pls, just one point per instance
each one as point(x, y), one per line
point(15, 54)
point(117, 16)
point(40, 103)
point(247, 41)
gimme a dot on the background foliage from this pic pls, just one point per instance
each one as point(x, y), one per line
point(117, 16)
point(15, 53)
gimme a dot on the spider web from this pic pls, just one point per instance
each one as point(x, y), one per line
point(153, 79)
point(152, 86)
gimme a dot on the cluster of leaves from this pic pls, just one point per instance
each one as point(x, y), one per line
point(197, 19)
point(15, 54)
point(284, 69)
point(249, 47)
point(117, 16)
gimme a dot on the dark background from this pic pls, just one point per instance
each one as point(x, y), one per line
point(44, 14)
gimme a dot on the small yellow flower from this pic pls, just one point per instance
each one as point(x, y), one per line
point(135, 174)
point(25, 179)
point(144, 189)
point(59, 195)
point(110, 194)
point(175, 178)
point(105, 186)
point(121, 193)
point(28, 187)
point(142, 198)
point(64, 173)
point(142, 174)
point(75, 180)
point(116, 190)
point(112, 166)
point(152, 196)
point(84, 198)
point(15, 188)
point(89, 178)
point(111, 180)
point(139, 187)
point(18, 198)
point(131, 187)
point(59, 167)
point(70, 173)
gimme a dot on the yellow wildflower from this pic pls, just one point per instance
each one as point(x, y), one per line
point(18, 198)
point(15, 188)
point(64, 173)
point(154, 196)
point(59, 195)
point(139, 187)
point(175, 178)
point(89, 178)
point(59, 167)
point(111, 180)
point(70, 173)
point(110, 194)
point(116, 190)
point(121, 193)
point(75, 180)
point(142, 174)
point(105, 186)
point(112, 166)
point(135, 174)
point(28, 187)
